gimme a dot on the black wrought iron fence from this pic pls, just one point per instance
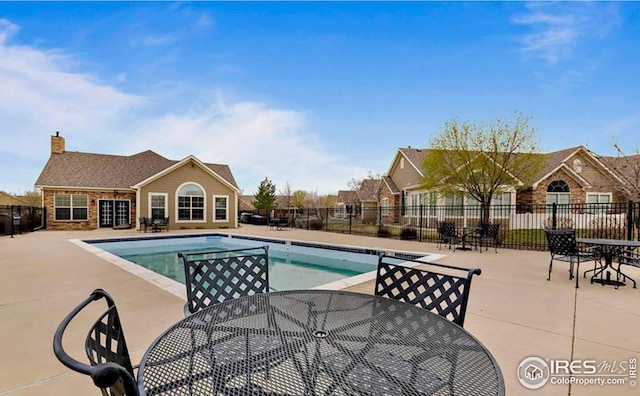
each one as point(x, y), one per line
point(521, 226)
point(15, 219)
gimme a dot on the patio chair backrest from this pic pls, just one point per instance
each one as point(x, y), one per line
point(215, 276)
point(562, 241)
point(110, 364)
point(447, 229)
point(489, 230)
point(442, 289)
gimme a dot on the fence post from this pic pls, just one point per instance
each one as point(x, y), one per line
point(630, 221)
point(326, 216)
point(554, 215)
point(308, 212)
point(420, 223)
point(350, 214)
point(379, 217)
point(11, 220)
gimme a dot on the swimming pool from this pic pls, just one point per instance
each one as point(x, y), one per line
point(292, 264)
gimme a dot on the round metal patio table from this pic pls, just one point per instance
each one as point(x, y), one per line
point(317, 342)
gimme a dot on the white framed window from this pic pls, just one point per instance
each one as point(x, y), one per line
point(454, 204)
point(158, 205)
point(402, 163)
point(415, 205)
point(71, 207)
point(558, 192)
point(598, 203)
point(472, 206)
point(384, 206)
point(220, 208)
point(501, 203)
point(431, 199)
point(190, 203)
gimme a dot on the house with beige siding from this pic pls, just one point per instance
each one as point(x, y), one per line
point(85, 191)
point(575, 175)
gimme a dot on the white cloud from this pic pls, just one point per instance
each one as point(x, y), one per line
point(556, 28)
point(153, 40)
point(42, 94)
point(7, 29)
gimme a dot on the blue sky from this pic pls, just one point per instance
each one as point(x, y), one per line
point(310, 93)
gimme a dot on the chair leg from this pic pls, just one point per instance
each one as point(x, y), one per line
point(550, 267)
point(570, 269)
point(577, 273)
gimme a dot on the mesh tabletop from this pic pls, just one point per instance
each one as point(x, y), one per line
point(317, 342)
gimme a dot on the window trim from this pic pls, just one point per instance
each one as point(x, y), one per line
point(166, 204)
point(384, 207)
point(599, 204)
point(226, 214)
point(204, 206)
point(70, 207)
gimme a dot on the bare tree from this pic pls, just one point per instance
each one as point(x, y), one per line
point(628, 167)
point(482, 160)
point(287, 193)
point(367, 186)
point(31, 197)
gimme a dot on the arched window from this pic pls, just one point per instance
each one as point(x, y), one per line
point(190, 202)
point(558, 192)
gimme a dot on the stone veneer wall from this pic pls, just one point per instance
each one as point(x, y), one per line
point(393, 204)
point(93, 197)
point(578, 195)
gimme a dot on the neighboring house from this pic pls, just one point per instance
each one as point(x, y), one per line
point(628, 167)
point(282, 202)
point(345, 203)
point(577, 176)
point(84, 191)
point(573, 175)
point(245, 203)
point(7, 199)
point(367, 201)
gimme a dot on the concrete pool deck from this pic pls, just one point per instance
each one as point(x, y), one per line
point(513, 310)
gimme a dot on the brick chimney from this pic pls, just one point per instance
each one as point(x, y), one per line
point(57, 144)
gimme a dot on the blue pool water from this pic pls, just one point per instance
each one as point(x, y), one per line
point(291, 265)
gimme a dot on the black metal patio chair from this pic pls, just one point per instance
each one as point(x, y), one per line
point(631, 258)
point(448, 234)
point(563, 247)
point(489, 234)
point(146, 224)
point(442, 289)
point(215, 276)
point(110, 365)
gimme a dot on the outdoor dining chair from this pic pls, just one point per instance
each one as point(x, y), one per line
point(439, 288)
point(146, 223)
point(563, 247)
point(214, 276)
point(110, 364)
point(488, 234)
point(627, 257)
point(448, 234)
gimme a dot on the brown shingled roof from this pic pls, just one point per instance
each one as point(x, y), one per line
point(368, 190)
point(627, 168)
point(415, 156)
point(553, 160)
point(392, 186)
point(77, 169)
